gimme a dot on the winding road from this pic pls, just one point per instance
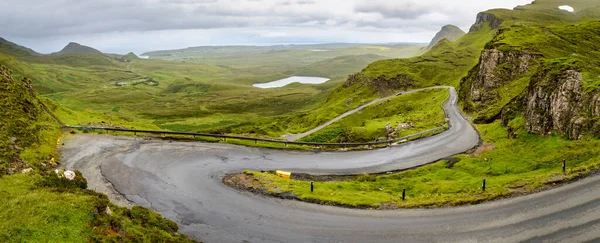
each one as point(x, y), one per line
point(295, 137)
point(182, 181)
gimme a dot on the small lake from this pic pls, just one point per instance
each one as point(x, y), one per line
point(296, 79)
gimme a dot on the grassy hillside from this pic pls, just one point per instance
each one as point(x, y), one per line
point(449, 32)
point(16, 50)
point(446, 63)
point(75, 48)
point(38, 206)
point(421, 110)
point(535, 71)
point(27, 132)
point(210, 90)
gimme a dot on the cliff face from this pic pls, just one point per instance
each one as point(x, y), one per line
point(508, 84)
point(483, 86)
point(556, 102)
point(484, 17)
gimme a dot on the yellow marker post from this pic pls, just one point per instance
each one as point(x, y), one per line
point(283, 174)
point(58, 142)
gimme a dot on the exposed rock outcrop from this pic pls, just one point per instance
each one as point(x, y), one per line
point(505, 84)
point(484, 17)
point(495, 69)
point(556, 102)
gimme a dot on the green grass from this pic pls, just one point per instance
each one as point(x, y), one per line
point(39, 206)
point(203, 92)
point(521, 165)
point(557, 46)
point(34, 213)
point(423, 109)
point(41, 215)
point(445, 64)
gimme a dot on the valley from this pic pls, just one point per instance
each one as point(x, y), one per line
point(516, 159)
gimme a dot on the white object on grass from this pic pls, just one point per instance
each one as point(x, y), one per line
point(567, 8)
point(70, 175)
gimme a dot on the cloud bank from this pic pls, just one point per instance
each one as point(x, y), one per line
point(47, 25)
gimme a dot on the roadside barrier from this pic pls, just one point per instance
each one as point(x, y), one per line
point(283, 174)
point(256, 140)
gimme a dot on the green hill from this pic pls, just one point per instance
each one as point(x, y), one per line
point(16, 50)
point(38, 204)
point(26, 128)
point(536, 64)
point(130, 57)
point(450, 32)
point(75, 48)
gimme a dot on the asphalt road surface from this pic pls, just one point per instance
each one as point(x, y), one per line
point(182, 181)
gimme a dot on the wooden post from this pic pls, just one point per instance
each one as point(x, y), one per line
point(483, 185)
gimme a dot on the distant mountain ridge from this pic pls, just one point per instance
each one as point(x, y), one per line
point(450, 32)
point(75, 48)
point(16, 50)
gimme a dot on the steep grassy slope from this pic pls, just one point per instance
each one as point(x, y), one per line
point(446, 63)
point(26, 131)
point(38, 206)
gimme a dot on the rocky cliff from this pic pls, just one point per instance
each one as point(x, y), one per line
point(549, 97)
point(484, 91)
point(555, 101)
point(486, 17)
point(542, 77)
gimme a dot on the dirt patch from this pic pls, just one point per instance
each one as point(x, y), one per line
point(483, 148)
point(242, 181)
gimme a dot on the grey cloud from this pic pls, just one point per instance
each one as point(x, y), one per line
point(391, 9)
point(48, 19)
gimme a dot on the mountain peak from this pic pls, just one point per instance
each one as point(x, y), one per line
point(449, 32)
point(131, 56)
point(76, 48)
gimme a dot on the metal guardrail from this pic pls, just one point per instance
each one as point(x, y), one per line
point(388, 142)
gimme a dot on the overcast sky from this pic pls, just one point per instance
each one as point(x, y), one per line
point(120, 26)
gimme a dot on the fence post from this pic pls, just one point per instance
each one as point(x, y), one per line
point(564, 166)
point(403, 194)
point(483, 185)
point(312, 186)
